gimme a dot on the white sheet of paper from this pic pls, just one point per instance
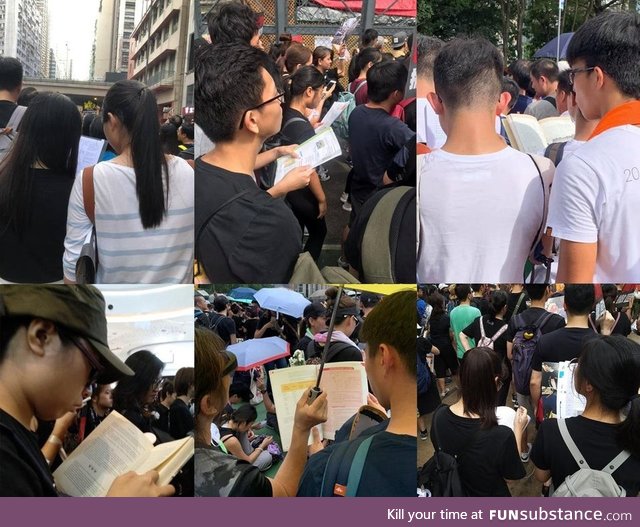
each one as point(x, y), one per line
point(334, 112)
point(569, 402)
point(436, 137)
point(89, 151)
point(322, 147)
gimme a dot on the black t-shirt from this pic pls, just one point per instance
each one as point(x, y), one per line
point(512, 302)
point(596, 442)
point(223, 326)
point(219, 474)
point(439, 326)
point(561, 345)
point(389, 469)
point(481, 303)
point(298, 130)
point(163, 420)
point(491, 327)
point(375, 137)
point(36, 255)
point(250, 326)
point(484, 465)
point(622, 326)
point(531, 316)
point(6, 109)
point(180, 419)
point(254, 239)
point(23, 469)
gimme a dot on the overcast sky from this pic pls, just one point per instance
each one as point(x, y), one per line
point(72, 24)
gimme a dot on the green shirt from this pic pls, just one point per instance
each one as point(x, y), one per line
point(461, 317)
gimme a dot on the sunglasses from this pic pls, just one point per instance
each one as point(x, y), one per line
point(279, 98)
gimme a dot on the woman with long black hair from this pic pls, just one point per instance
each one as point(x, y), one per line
point(142, 206)
point(36, 179)
point(608, 376)
point(305, 91)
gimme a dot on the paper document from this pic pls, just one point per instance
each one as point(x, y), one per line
point(334, 112)
point(559, 396)
point(89, 151)
point(321, 148)
point(344, 382)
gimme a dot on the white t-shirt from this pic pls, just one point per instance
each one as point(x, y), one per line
point(127, 252)
point(596, 198)
point(479, 215)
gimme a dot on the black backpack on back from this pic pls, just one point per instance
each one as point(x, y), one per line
point(440, 474)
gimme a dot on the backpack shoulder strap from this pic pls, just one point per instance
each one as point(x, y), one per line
point(615, 463)
point(571, 445)
point(543, 319)
point(518, 303)
point(482, 332)
point(544, 204)
point(357, 466)
point(616, 322)
point(88, 195)
point(358, 88)
point(499, 333)
point(16, 117)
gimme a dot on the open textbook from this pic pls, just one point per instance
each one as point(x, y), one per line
point(531, 136)
point(115, 447)
point(344, 382)
point(559, 397)
point(319, 149)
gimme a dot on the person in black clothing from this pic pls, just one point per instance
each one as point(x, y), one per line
point(35, 183)
point(185, 136)
point(251, 321)
point(180, 418)
point(442, 338)
point(314, 320)
point(100, 406)
point(304, 91)
point(566, 343)
point(236, 433)
point(201, 311)
point(167, 397)
point(133, 396)
point(478, 298)
point(492, 323)
point(621, 321)
point(53, 343)
point(220, 322)
point(10, 87)
point(608, 376)
point(517, 298)
point(238, 94)
point(469, 429)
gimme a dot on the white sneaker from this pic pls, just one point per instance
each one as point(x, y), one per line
point(346, 206)
point(524, 456)
point(344, 197)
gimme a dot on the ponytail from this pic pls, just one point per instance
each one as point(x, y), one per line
point(136, 107)
point(497, 301)
point(296, 84)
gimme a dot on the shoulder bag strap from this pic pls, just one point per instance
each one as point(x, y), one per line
point(544, 206)
point(499, 332)
point(571, 445)
point(88, 195)
point(515, 311)
point(482, 333)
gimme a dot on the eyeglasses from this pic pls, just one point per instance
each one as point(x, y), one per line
point(96, 367)
point(572, 73)
point(279, 98)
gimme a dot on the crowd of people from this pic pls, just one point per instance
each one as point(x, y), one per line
point(488, 211)
point(255, 107)
point(486, 342)
point(231, 460)
point(131, 213)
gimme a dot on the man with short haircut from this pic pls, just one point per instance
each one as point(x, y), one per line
point(544, 80)
point(596, 196)
point(235, 22)
point(462, 316)
point(180, 419)
point(564, 344)
point(238, 96)
point(375, 137)
point(429, 129)
point(185, 136)
point(520, 71)
point(221, 322)
point(390, 363)
point(474, 166)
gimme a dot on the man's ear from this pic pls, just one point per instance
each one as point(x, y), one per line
point(503, 102)
point(39, 335)
point(435, 102)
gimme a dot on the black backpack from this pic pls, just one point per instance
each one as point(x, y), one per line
point(314, 351)
point(267, 174)
point(440, 474)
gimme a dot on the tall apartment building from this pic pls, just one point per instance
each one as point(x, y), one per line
point(115, 22)
point(20, 30)
point(43, 6)
point(158, 56)
point(53, 66)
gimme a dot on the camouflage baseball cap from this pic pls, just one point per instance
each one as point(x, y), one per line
point(78, 308)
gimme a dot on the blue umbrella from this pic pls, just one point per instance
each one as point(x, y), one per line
point(254, 352)
point(550, 49)
point(242, 293)
point(282, 300)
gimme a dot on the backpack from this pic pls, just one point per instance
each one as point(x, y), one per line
point(440, 474)
point(400, 109)
point(341, 124)
point(343, 471)
point(314, 351)
point(267, 174)
point(588, 482)
point(554, 152)
point(487, 342)
point(525, 342)
point(9, 133)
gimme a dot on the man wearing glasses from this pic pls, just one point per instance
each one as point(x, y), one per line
point(239, 95)
point(596, 192)
point(53, 343)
